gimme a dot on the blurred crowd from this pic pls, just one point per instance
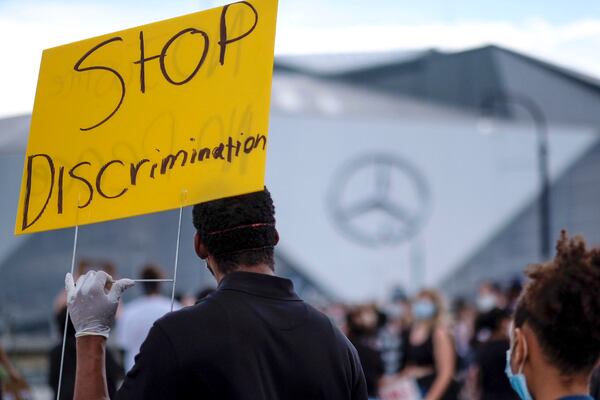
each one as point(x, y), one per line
point(419, 348)
point(410, 347)
point(418, 344)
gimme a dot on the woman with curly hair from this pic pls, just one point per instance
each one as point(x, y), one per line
point(555, 339)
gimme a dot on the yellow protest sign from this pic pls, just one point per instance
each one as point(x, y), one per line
point(151, 118)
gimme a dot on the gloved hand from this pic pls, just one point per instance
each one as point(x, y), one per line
point(92, 308)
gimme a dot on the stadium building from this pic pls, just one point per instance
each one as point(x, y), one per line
point(383, 174)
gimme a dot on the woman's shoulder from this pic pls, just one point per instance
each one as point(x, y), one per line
point(441, 332)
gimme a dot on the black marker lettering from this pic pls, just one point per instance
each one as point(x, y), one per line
point(169, 161)
point(249, 144)
point(224, 41)
point(59, 205)
point(218, 152)
point(229, 148)
point(142, 62)
point(260, 138)
point(85, 182)
point(203, 153)
point(78, 68)
point(99, 180)
point(163, 54)
point(26, 224)
point(134, 169)
point(152, 170)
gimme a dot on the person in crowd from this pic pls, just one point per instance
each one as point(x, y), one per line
point(490, 296)
point(462, 331)
point(390, 336)
point(254, 338)
point(429, 355)
point(185, 299)
point(139, 315)
point(337, 313)
point(595, 383)
point(555, 338)
point(204, 293)
point(363, 324)
point(114, 371)
point(512, 294)
point(490, 356)
point(9, 372)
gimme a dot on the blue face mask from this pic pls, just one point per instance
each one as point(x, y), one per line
point(394, 311)
point(423, 309)
point(517, 381)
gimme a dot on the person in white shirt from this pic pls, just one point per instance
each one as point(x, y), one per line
point(140, 314)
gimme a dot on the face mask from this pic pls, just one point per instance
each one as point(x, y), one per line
point(394, 311)
point(423, 309)
point(486, 302)
point(517, 381)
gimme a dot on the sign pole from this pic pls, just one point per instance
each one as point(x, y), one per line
point(62, 353)
point(176, 259)
point(182, 199)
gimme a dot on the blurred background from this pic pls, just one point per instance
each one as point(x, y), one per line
point(432, 144)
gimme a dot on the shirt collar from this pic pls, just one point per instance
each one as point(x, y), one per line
point(577, 397)
point(258, 284)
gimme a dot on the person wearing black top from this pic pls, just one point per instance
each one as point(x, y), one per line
point(595, 383)
point(490, 359)
point(114, 370)
point(11, 373)
point(363, 324)
point(254, 338)
point(429, 355)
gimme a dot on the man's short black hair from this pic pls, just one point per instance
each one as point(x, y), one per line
point(238, 230)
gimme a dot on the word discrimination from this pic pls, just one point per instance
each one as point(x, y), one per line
point(92, 177)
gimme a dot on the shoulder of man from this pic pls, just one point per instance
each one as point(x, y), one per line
point(207, 315)
point(335, 332)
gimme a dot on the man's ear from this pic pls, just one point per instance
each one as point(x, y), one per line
point(276, 237)
point(200, 248)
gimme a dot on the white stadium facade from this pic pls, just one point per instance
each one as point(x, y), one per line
point(382, 173)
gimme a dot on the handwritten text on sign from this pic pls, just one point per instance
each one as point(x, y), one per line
point(151, 118)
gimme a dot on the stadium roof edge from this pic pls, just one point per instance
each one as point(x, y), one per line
point(293, 64)
point(575, 76)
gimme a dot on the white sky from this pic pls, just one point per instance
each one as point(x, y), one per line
point(568, 36)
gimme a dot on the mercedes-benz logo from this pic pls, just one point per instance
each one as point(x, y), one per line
point(379, 199)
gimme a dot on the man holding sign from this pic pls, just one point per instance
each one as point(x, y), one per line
point(254, 338)
point(164, 116)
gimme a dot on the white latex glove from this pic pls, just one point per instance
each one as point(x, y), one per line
point(91, 307)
